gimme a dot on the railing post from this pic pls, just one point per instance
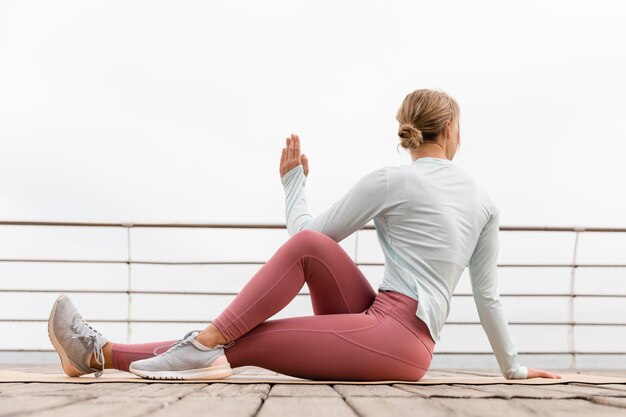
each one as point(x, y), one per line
point(129, 283)
point(572, 341)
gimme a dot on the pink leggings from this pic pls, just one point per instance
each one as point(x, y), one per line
point(354, 334)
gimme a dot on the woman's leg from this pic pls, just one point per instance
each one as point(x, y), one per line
point(335, 283)
point(368, 346)
point(120, 355)
point(344, 340)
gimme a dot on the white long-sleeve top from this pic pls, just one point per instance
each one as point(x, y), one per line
point(432, 221)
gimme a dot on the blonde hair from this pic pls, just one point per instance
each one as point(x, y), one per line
point(423, 116)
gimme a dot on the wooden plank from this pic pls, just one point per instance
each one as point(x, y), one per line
point(373, 390)
point(400, 407)
point(482, 407)
point(446, 391)
point(44, 389)
point(122, 407)
point(568, 408)
point(524, 391)
point(12, 406)
point(35, 389)
point(586, 390)
point(617, 387)
point(7, 387)
point(486, 407)
point(212, 406)
point(104, 391)
point(98, 390)
point(233, 390)
point(479, 407)
point(619, 402)
point(169, 391)
point(306, 407)
point(301, 390)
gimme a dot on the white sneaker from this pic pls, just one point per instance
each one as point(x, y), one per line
point(74, 340)
point(186, 359)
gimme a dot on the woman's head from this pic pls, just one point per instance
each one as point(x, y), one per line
point(429, 118)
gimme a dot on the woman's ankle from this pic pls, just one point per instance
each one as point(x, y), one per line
point(211, 336)
point(107, 350)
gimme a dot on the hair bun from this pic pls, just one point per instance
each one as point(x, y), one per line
point(411, 136)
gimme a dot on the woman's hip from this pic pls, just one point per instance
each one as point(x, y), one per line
point(402, 309)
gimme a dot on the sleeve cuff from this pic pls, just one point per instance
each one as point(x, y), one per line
point(285, 179)
point(520, 373)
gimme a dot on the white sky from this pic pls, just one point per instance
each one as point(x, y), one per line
point(178, 111)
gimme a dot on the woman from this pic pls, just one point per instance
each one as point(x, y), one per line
point(432, 221)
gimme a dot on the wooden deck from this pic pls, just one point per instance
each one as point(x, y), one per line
point(283, 400)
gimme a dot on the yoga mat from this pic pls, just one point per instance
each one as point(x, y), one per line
point(255, 378)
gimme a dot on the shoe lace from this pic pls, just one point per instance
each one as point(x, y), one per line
point(183, 342)
point(89, 335)
point(178, 344)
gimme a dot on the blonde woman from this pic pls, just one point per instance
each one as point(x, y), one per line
point(432, 221)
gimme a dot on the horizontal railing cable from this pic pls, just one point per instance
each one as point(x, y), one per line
point(279, 226)
point(209, 293)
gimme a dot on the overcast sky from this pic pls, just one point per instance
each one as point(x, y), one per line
point(178, 111)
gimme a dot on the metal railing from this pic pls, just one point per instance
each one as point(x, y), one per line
point(129, 261)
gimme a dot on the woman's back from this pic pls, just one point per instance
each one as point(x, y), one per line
point(428, 236)
point(432, 221)
point(428, 216)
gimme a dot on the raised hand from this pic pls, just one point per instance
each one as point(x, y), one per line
point(291, 157)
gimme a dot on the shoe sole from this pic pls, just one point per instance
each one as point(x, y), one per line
point(68, 368)
point(212, 372)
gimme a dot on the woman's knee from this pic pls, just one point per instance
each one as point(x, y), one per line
point(308, 238)
point(309, 234)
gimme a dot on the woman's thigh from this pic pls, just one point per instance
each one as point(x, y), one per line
point(335, 282)
point(356, 346)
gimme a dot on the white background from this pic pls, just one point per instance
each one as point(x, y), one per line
point(178, 111)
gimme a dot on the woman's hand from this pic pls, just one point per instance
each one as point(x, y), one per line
point(535, 373)
point(291, 158)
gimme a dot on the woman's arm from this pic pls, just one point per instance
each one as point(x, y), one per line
point(364, 200)
point(484, 279)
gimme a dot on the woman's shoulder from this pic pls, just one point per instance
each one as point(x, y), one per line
point(385, 172)
point(478, 187)
point(395, 174)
